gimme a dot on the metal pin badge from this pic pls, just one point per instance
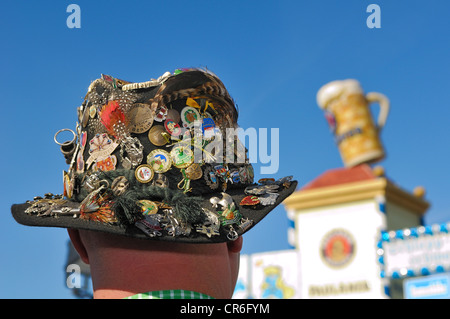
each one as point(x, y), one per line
point(119, 185)
point(189, 115)
point(140, 117)
point(131, 152)
point(232, 234)
point(159, 160)
point(194, 171)
point(144, 173)
point(148, 207)
point(155, 135)
point(67, 147)
point(172, 127)
point(250, 200)
point(182, 156)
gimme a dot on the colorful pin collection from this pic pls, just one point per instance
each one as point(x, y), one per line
point(118, 133)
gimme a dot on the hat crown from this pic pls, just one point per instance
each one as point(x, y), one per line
point(155, 141)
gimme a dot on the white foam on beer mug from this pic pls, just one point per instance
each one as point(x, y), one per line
point(333, 89)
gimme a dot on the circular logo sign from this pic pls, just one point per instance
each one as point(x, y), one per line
point(337, 248)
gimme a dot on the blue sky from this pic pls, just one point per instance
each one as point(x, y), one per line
point(273, 56)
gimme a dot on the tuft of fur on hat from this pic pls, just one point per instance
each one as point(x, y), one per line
point(199, 83)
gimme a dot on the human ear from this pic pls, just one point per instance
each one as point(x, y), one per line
point(235, 246)
point(78, 244)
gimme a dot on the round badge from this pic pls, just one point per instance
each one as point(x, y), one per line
point(172, 127)
point(182, 156)
point(148, 207)
point(194, 171)
point(159, 160)
point(140, 117)
point(144, 173)
point(189, 115)
point(337, 248)
point(155, 135)
point(174, 115)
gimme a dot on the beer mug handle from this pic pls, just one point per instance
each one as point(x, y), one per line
point(383, 101)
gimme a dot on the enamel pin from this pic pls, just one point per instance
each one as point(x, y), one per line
point(161, 115)
point(182, 156)
point(189, 115)
point(172, 127)
point(100, 147)
point(148, 207)
point(144, 173)
point(159, 160)
point(107, 164)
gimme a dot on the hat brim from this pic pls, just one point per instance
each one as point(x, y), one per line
point(253, 213)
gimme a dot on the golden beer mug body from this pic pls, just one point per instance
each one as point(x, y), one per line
point(347, 111)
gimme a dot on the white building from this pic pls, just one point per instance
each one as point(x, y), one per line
point(338, 219)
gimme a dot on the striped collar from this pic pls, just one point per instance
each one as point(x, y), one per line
point(170, 294)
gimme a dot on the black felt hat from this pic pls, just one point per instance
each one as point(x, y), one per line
point(158, 160)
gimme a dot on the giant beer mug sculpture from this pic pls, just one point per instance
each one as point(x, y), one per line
point(347, 111)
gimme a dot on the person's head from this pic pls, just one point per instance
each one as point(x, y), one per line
point(158, 192)
point(122, 266)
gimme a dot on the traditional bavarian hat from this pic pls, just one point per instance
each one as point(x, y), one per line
point(151, 160)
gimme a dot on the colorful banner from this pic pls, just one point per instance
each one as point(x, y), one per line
point(415, 251)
